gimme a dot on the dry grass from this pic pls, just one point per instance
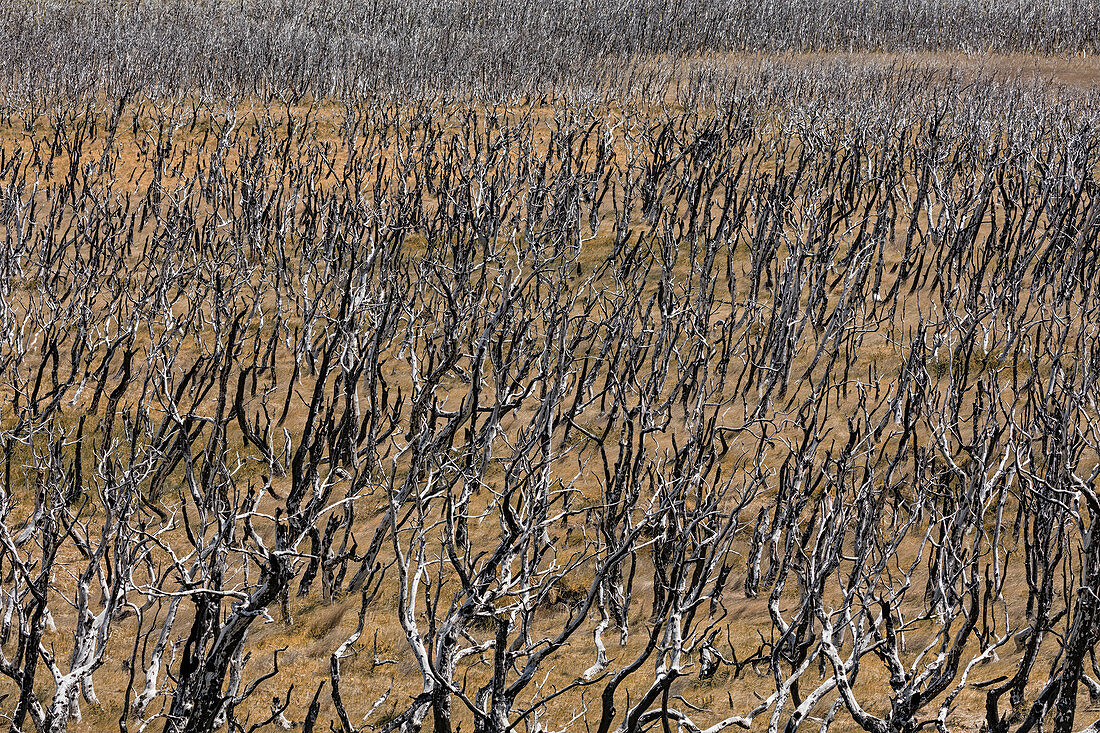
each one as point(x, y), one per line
point(383, 661)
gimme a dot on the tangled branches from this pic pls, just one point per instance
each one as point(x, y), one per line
point(589, 413)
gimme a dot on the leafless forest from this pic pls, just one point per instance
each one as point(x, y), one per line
point(549, 366)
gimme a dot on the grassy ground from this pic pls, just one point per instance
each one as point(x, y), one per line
point(381, 676)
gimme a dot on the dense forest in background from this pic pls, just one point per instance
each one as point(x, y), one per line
point(544, 367)
point(492, 48)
